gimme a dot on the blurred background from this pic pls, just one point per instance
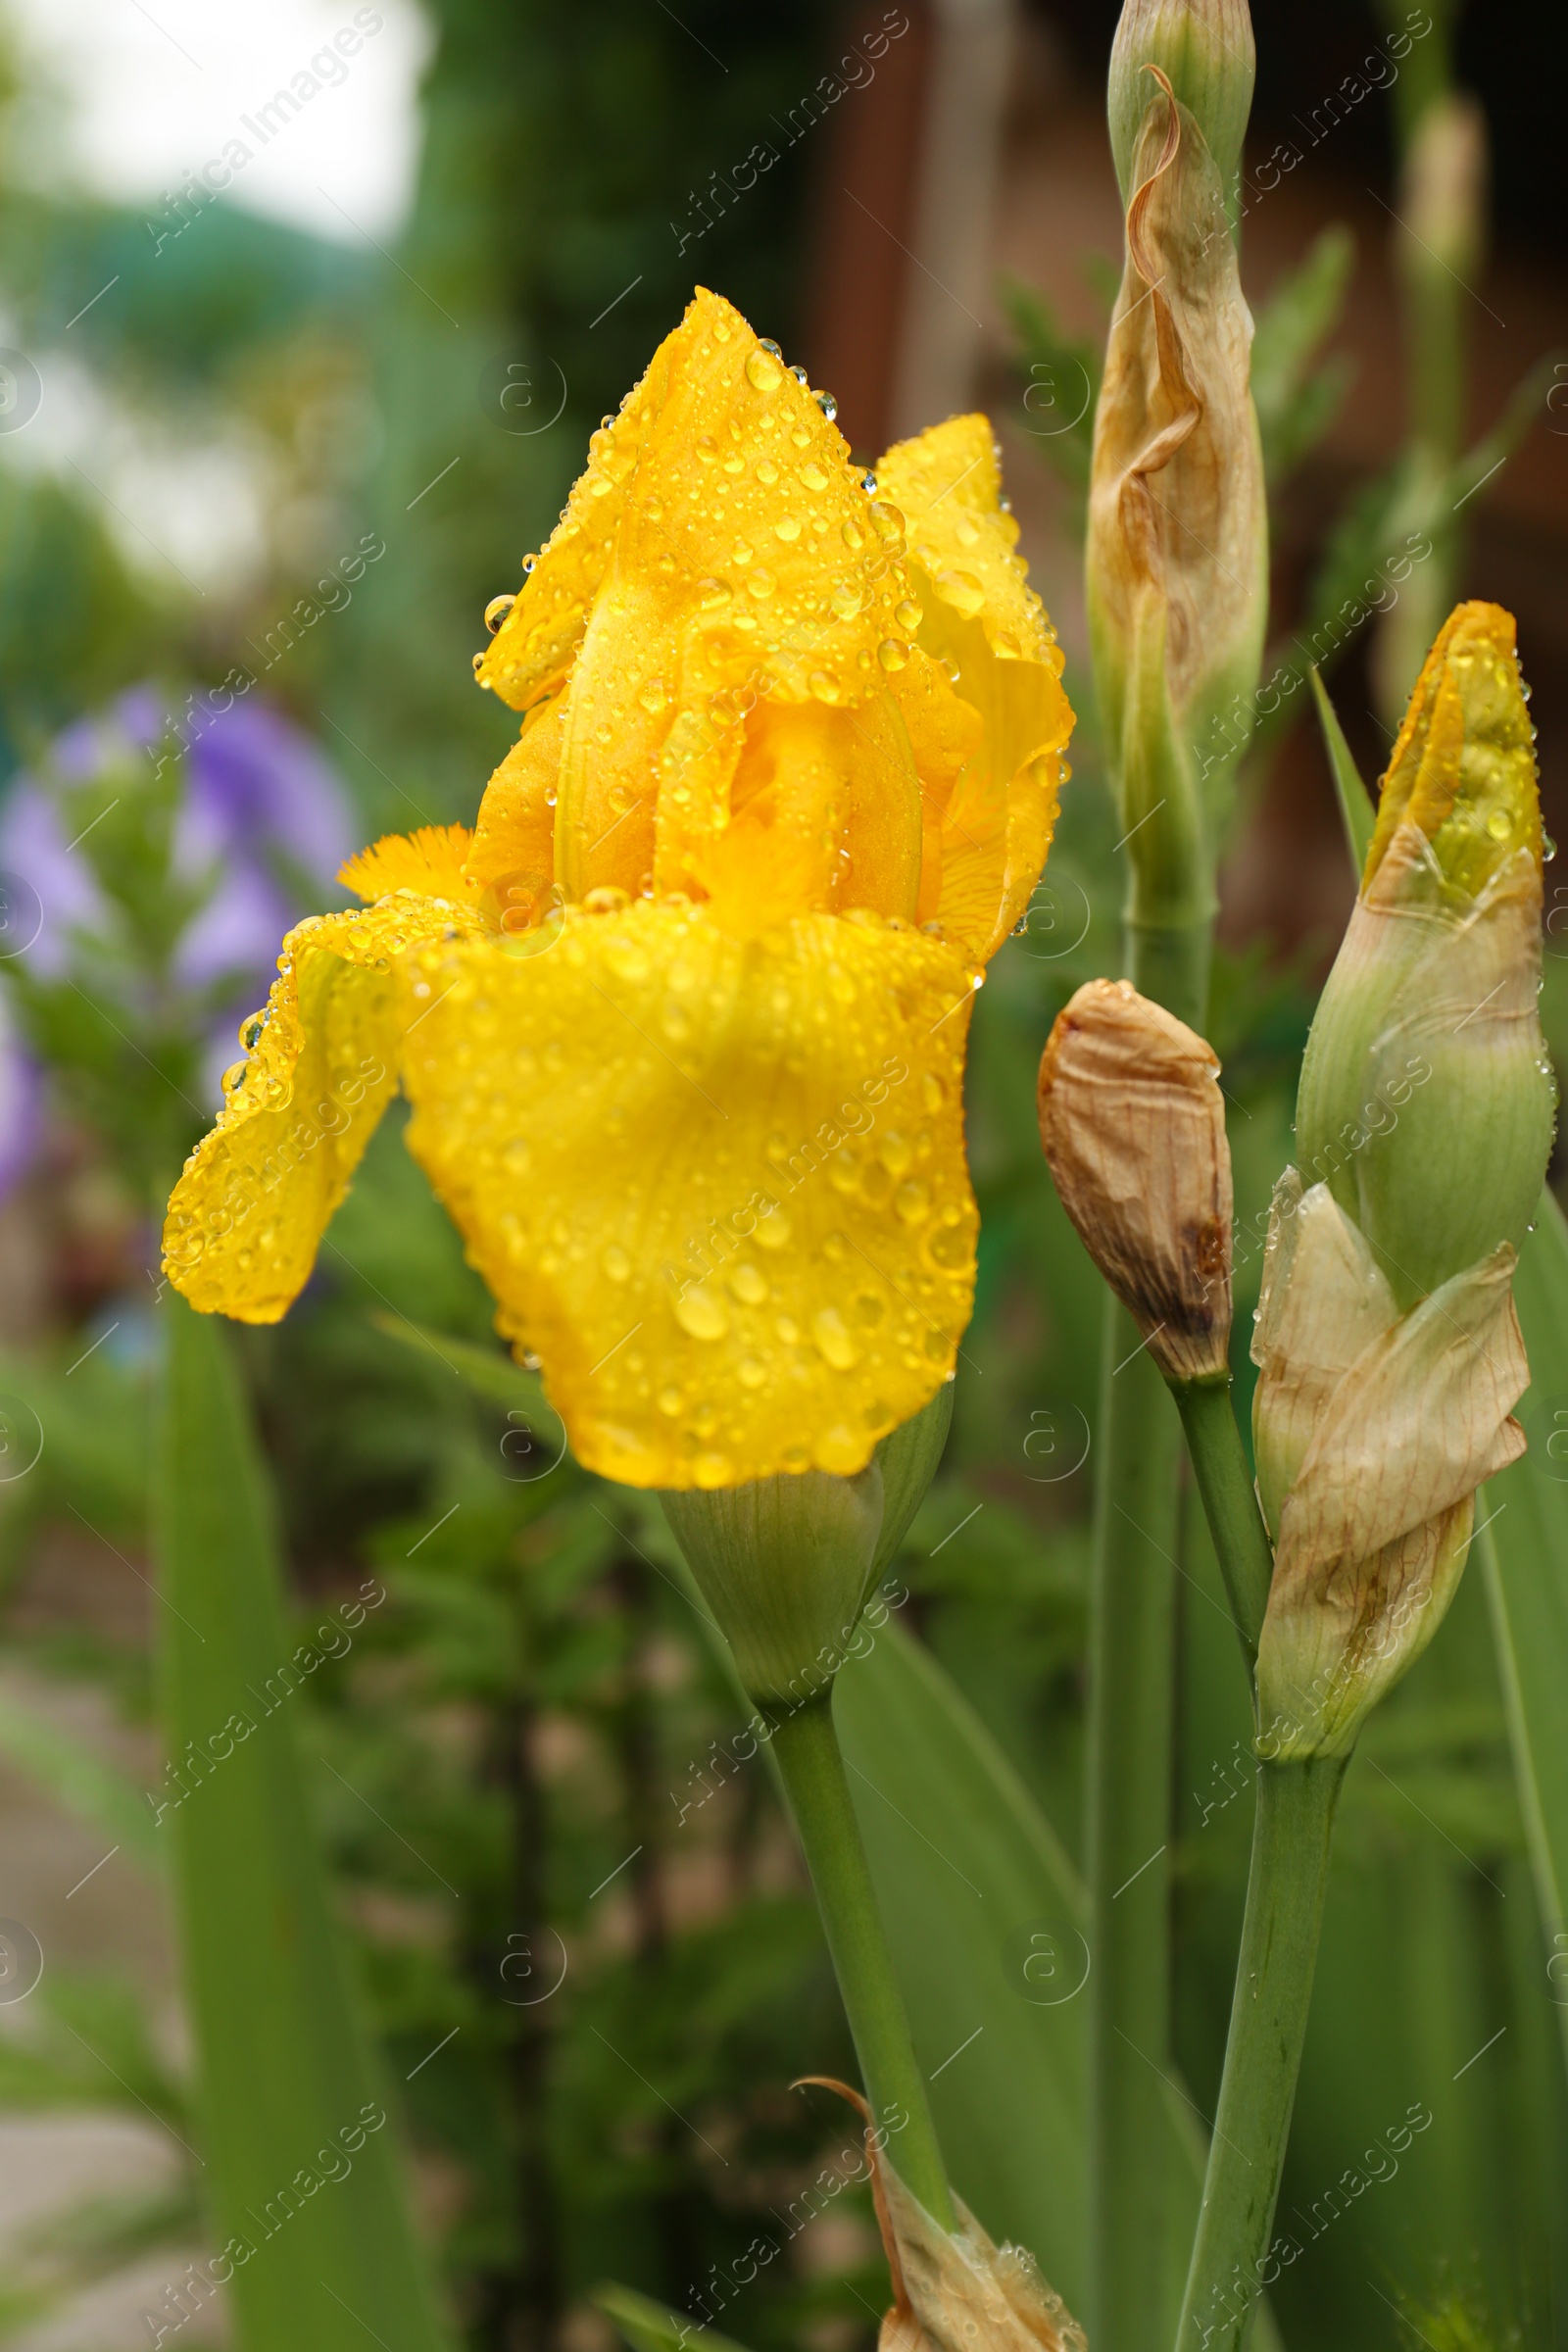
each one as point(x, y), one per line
point(306, 316)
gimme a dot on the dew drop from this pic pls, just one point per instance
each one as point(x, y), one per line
point(748, 1283)
point(496, 611)
point(963, 591)
point(702, 1313)
point(615, 1262)
point(762, 370)
point(833, 1341)
point(828, 405)
point(892, 655)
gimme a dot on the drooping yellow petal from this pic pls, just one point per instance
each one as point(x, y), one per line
point(987, 628)
point(430, 861)
point(247, 1215)
point(717, 1184)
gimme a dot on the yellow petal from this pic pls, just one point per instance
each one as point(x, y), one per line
point(249, 1211)
point(719, 552)
point(987, 628)
point(824, 814)
point(516, 834)
point(429, 862)
point(946, 484)
point(1464, 766)
point(717, 1184)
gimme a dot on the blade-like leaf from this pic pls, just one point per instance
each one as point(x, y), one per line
point(1356, 805)
point(1523, 1516)
point(301, 2173)
point(650, 2327)
point(986, 1915)
point(1295, 401)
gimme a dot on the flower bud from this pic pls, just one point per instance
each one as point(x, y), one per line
point(1178, 535)
point(1427, 1101)
point(1205, 48)
point(1390, 1355)
point(1132, 1125)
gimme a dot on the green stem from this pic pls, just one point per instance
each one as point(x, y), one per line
point(1169, 962)
point(807, 1749)
point(1230, 1502)
point(1231, 2265)
point(1131, 1669)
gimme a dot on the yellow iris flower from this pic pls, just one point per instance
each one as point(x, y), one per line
point(683, 1020)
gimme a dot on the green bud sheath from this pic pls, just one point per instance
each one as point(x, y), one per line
point(1389, 1352)
point(1204, 49)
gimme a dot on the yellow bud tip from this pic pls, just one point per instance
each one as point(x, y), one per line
point(1464, 766)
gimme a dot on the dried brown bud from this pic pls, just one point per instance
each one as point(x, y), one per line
point(1132, 1125)
point(951, 2293)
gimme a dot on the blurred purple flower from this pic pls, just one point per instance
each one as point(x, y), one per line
point(262, 816)
point(20, 1105)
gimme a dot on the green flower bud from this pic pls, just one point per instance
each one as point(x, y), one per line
point(1427, 1100)
point(1204, 49)
point(787, 1564)
point(1389, 1352)
point(1177, 557)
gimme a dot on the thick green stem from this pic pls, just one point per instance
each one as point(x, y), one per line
point(1169, 962)
point(1131, 1667)
point(1232, 2265)
point(1131, 1642)
point(1230, 1502)
point(806, 1747)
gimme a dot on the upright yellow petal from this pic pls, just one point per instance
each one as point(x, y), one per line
point(515, 838)
point(987, 628)
point(720, 555)
point(717, 1184)
point(248, 1214)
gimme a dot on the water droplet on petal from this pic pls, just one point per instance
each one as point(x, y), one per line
point(702, 1313)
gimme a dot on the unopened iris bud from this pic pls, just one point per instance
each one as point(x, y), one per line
point(1205, 48)
point(1132, 1125)
point(1178, 537)
point(1427, 1100)
point(1390, 1355)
